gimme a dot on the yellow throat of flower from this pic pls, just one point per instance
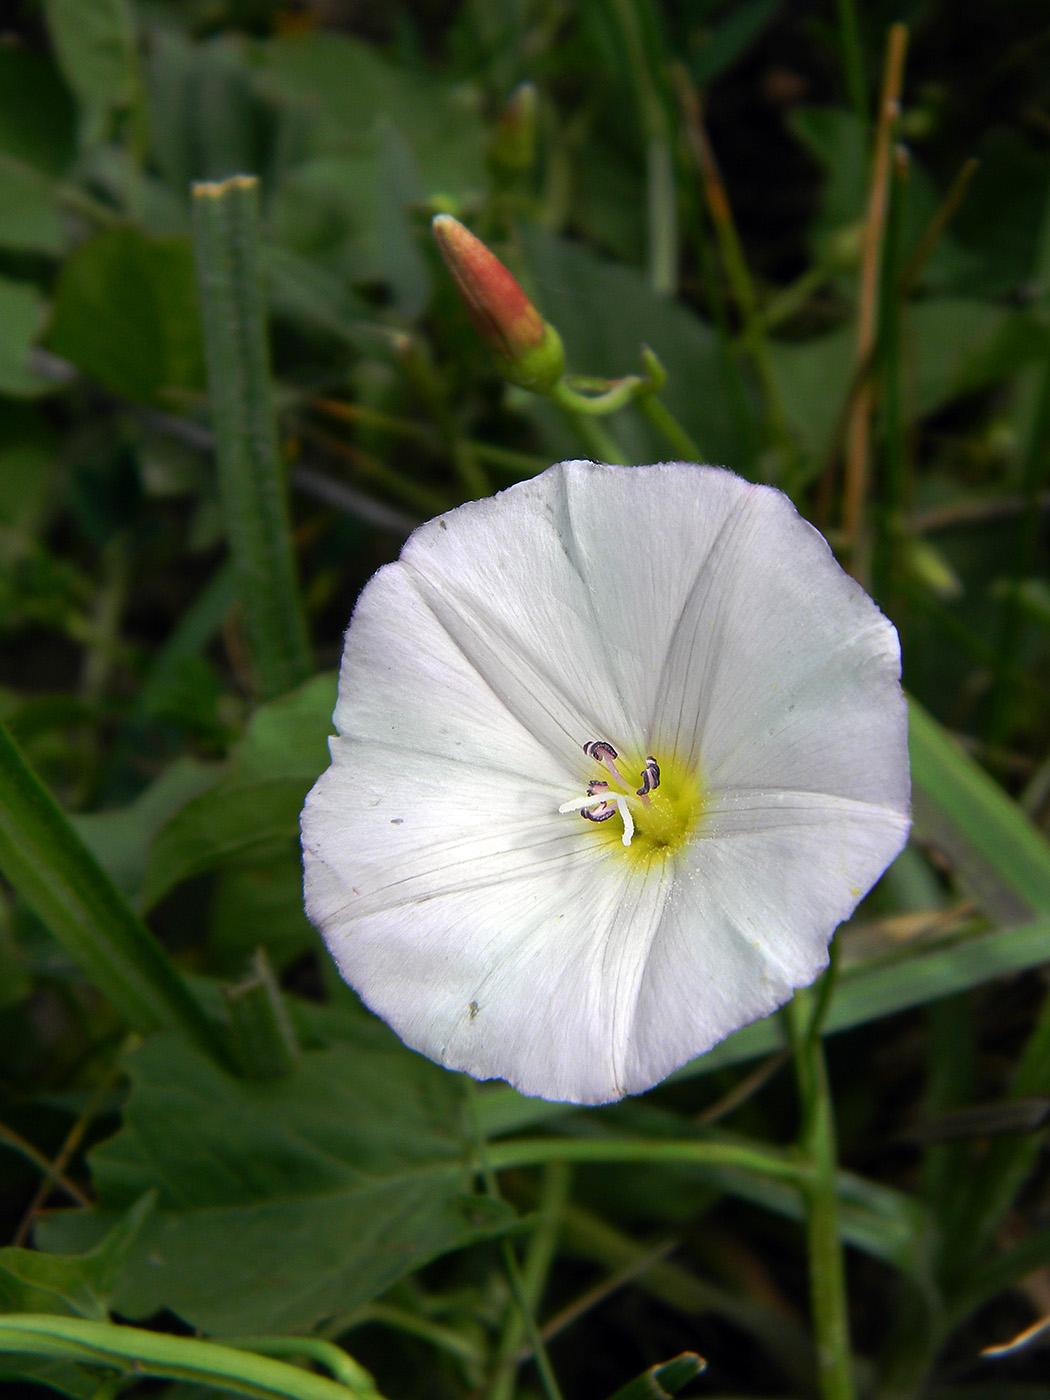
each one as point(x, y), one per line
point(645, 820)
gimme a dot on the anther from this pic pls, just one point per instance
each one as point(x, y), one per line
point(650, 776)
point(603, 752)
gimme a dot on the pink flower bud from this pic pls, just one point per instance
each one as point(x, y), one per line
point(526, 349)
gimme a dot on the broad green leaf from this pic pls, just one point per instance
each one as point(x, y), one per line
point(998, 855)
point(841, 144)
point(70, 1285)
point(955, 345)
point(53, 871)
point(36, 114)
point(251, 816)
point(952, 347)
point(251, 474)
point(22, 313)
point(814, 378)
point(838, 141)
point(126, 314)
point(260, 903)
point(36, 146)
point(347, 213)
point(95, 45)
point(29, 213)
point(119, 839)
point(286, 1202)
point(351, 91)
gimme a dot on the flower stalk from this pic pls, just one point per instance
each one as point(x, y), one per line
point(528, 351)
point(817, 1149)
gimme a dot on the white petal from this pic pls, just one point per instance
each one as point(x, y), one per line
point(493, 934)
point(500, 577)
point(782, 671)
point(406, 684)
point(755, 903)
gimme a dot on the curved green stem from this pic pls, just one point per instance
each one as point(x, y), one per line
point(136, 1352)
point(617, 395)
point(531, 1152)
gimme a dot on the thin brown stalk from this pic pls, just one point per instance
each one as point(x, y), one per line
point(590, 1299)
point(947, 210)
point(963, 513)
point(51, 1173)
point(731, 250)
point(858, 428)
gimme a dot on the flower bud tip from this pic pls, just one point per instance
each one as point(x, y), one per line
point(526, 349)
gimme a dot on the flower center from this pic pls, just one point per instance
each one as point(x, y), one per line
point(658, 813)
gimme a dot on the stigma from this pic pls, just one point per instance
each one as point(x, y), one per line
point(602, 800)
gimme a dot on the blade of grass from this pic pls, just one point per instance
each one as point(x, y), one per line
point(254, 491)
point(852, 57)
point(997, 853)
point(58, 877)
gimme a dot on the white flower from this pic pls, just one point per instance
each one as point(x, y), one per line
point(553, 654)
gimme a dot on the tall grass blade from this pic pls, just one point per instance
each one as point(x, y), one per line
point(251, 479)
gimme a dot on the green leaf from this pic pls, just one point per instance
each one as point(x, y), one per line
point(952, 347)
point(36, 114)
point(302, 289)
point(251, 474)
point(119, 839)
point(126, 314)
point(998, 855)
point(21, 318)
point(251, 816)
point(285, 1203)
point(70, 1285)
point(54, 872)
point(740, 28)
point(29, 213)
point(29, 459)
point(352, 93)
point(67, 1377)
point(95, 44)
point(666, 1378)
point(955, 345)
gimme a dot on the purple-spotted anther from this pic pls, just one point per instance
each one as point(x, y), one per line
point(592, 809)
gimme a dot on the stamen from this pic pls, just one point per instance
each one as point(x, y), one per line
point(603, 752)
point(650, 776)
